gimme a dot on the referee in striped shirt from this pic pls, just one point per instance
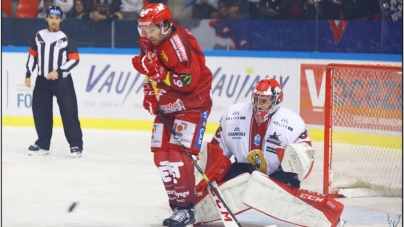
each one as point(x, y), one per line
point(55, 53)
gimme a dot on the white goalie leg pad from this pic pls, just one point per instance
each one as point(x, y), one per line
point(275, 200)
point(298, 158)
point(231, 191)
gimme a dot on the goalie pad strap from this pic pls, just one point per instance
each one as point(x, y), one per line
point(293, 205)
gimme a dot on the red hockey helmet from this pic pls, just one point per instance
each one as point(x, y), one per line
point(153, 14)
point(266, 97)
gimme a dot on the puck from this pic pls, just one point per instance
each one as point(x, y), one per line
point(71, 208)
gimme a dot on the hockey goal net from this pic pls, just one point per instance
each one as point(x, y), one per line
point(363, 130)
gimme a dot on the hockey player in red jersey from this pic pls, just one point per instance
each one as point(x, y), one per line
point(178, 82)
point(273, 154)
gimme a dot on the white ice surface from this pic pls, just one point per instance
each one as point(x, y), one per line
point(116, 184)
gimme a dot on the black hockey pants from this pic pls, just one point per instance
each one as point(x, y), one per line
point(42, 108)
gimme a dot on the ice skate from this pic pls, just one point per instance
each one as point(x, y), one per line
point(182, 218)
point(167, 221)
point(35, 150)
point(76, 152)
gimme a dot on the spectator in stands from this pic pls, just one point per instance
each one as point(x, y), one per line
point(43, 5)
point(280, 9)
point(344, 10)
point(203, 9)
point(232, 9)
point(130, 9)
point(79, 11)
point(90, 4)
point(65, 6)
point(106, 10)
point(392, 10)
point(158, 1)
point(116, 10)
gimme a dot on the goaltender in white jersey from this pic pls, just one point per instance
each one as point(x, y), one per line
point(273, 154)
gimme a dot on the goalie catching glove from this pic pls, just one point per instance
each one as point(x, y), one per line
point(151, 66)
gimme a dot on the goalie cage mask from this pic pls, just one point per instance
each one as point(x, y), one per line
point(266, 97)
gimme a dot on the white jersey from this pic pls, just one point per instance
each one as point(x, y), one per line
point(241, 136)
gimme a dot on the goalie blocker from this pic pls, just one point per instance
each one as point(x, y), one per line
point(262, 193)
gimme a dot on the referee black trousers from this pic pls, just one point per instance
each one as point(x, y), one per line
point(42, 109)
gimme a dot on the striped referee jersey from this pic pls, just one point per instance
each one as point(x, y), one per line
point(52, 51)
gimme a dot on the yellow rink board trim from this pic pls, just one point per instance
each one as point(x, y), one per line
point(316, 135)
point(375, 140)
point(95, 123)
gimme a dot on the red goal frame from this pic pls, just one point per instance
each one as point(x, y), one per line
point(328, 120)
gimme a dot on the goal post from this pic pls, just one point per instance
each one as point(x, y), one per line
point(363, 130)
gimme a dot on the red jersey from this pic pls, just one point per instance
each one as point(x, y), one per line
point(190, 81)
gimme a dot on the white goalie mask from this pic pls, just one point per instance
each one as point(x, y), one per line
point(266, 97)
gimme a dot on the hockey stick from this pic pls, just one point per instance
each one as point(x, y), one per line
point(223, 215)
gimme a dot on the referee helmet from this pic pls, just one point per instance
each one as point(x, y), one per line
point(54, 10)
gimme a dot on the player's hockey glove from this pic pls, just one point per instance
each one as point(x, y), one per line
point(138, 64)
point(150, 102)
point(151, 66)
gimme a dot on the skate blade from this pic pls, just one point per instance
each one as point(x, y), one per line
point(76, 155)
point(37, 153)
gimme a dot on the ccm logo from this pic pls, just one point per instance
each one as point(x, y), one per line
point(311, 197)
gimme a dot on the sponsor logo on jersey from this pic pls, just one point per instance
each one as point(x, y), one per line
point(218, 132)
point(186, 79)
point(164, 55)
point(173, 107)
point(257, 160)
point(179, 48)
point(270, 149)
point(182, 194)
point(304, 135)
point(257, 139)
point(236, 134)
point(235, 118)
point(274, 139)
point(168, 169)
point(283, 124)
point(156, 138)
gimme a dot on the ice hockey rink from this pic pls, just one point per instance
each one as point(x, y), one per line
point(115, 184)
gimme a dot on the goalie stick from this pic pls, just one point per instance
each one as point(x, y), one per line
point(213, 191)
